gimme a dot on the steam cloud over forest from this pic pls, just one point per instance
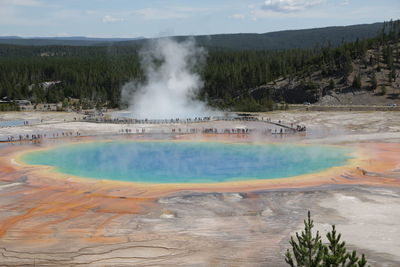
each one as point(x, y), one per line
point(171, 84)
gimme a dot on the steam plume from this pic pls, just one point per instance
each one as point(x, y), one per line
point(171, 82)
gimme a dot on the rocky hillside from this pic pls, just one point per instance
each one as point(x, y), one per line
point(373, 78)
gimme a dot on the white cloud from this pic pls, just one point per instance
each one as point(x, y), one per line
point(115, 35)
point(62, 34)
point(345, 3)
point(160, 14)
point(171, 12)
point(237, 16)
point(66, 14)
point(288, 6)
point(110, 19)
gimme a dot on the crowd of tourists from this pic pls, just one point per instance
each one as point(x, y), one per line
point(40, 136)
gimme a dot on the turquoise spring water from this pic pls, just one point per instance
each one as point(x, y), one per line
point(187, 162)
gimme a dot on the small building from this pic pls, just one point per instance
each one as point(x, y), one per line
point(23, 102)
point(49, 107)
point(5, 100)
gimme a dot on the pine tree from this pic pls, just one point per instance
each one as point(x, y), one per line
point(373, 81)
point(357, 81)
point(331, 84)
point(347, 67)
point(335, 252)
point(383, 90)
point(393, 74)
point(308, 250)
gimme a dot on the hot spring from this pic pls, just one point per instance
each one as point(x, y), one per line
point(187, 162)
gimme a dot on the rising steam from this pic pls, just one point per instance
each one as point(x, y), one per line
point(171, 84)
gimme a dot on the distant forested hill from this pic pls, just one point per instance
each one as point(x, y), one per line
point(234, 79)
point(280, 40)
point(63, 41)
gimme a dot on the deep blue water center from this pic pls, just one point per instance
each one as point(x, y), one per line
point(187, 162)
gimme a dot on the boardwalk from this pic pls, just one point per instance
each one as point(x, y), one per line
point(99, 126)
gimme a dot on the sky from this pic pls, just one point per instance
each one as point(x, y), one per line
point(155, 18)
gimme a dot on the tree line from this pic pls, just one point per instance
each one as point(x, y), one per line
point(95, 74)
